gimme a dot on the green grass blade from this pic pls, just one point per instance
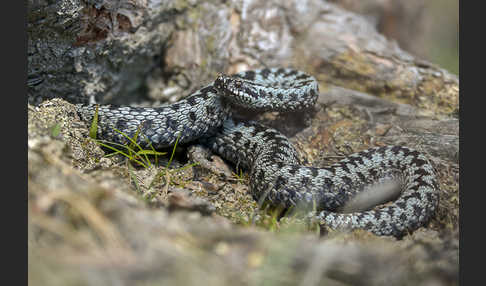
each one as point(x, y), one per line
point(118, 151)
point(153, 149)
point(133, 139)
point(150, 152)
point(129, 139)
point(140, 156)
point(56, 130)
point(133, 143)
point(173, 151)
point(93, 130)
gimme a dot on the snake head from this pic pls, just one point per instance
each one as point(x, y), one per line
point(234, 89)
point(225, 83)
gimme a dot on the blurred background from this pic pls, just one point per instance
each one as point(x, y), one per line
point(427, 29)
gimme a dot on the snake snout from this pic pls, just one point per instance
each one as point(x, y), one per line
point(222, 82)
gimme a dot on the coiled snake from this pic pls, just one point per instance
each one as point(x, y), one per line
point(273, 164)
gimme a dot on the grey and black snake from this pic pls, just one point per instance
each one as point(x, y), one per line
point(273, 163)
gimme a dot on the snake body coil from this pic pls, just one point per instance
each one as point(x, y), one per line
point(274, 165)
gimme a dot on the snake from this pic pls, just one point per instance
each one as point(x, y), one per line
point(276, 174)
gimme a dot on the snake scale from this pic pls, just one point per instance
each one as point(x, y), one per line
point(273, 164)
